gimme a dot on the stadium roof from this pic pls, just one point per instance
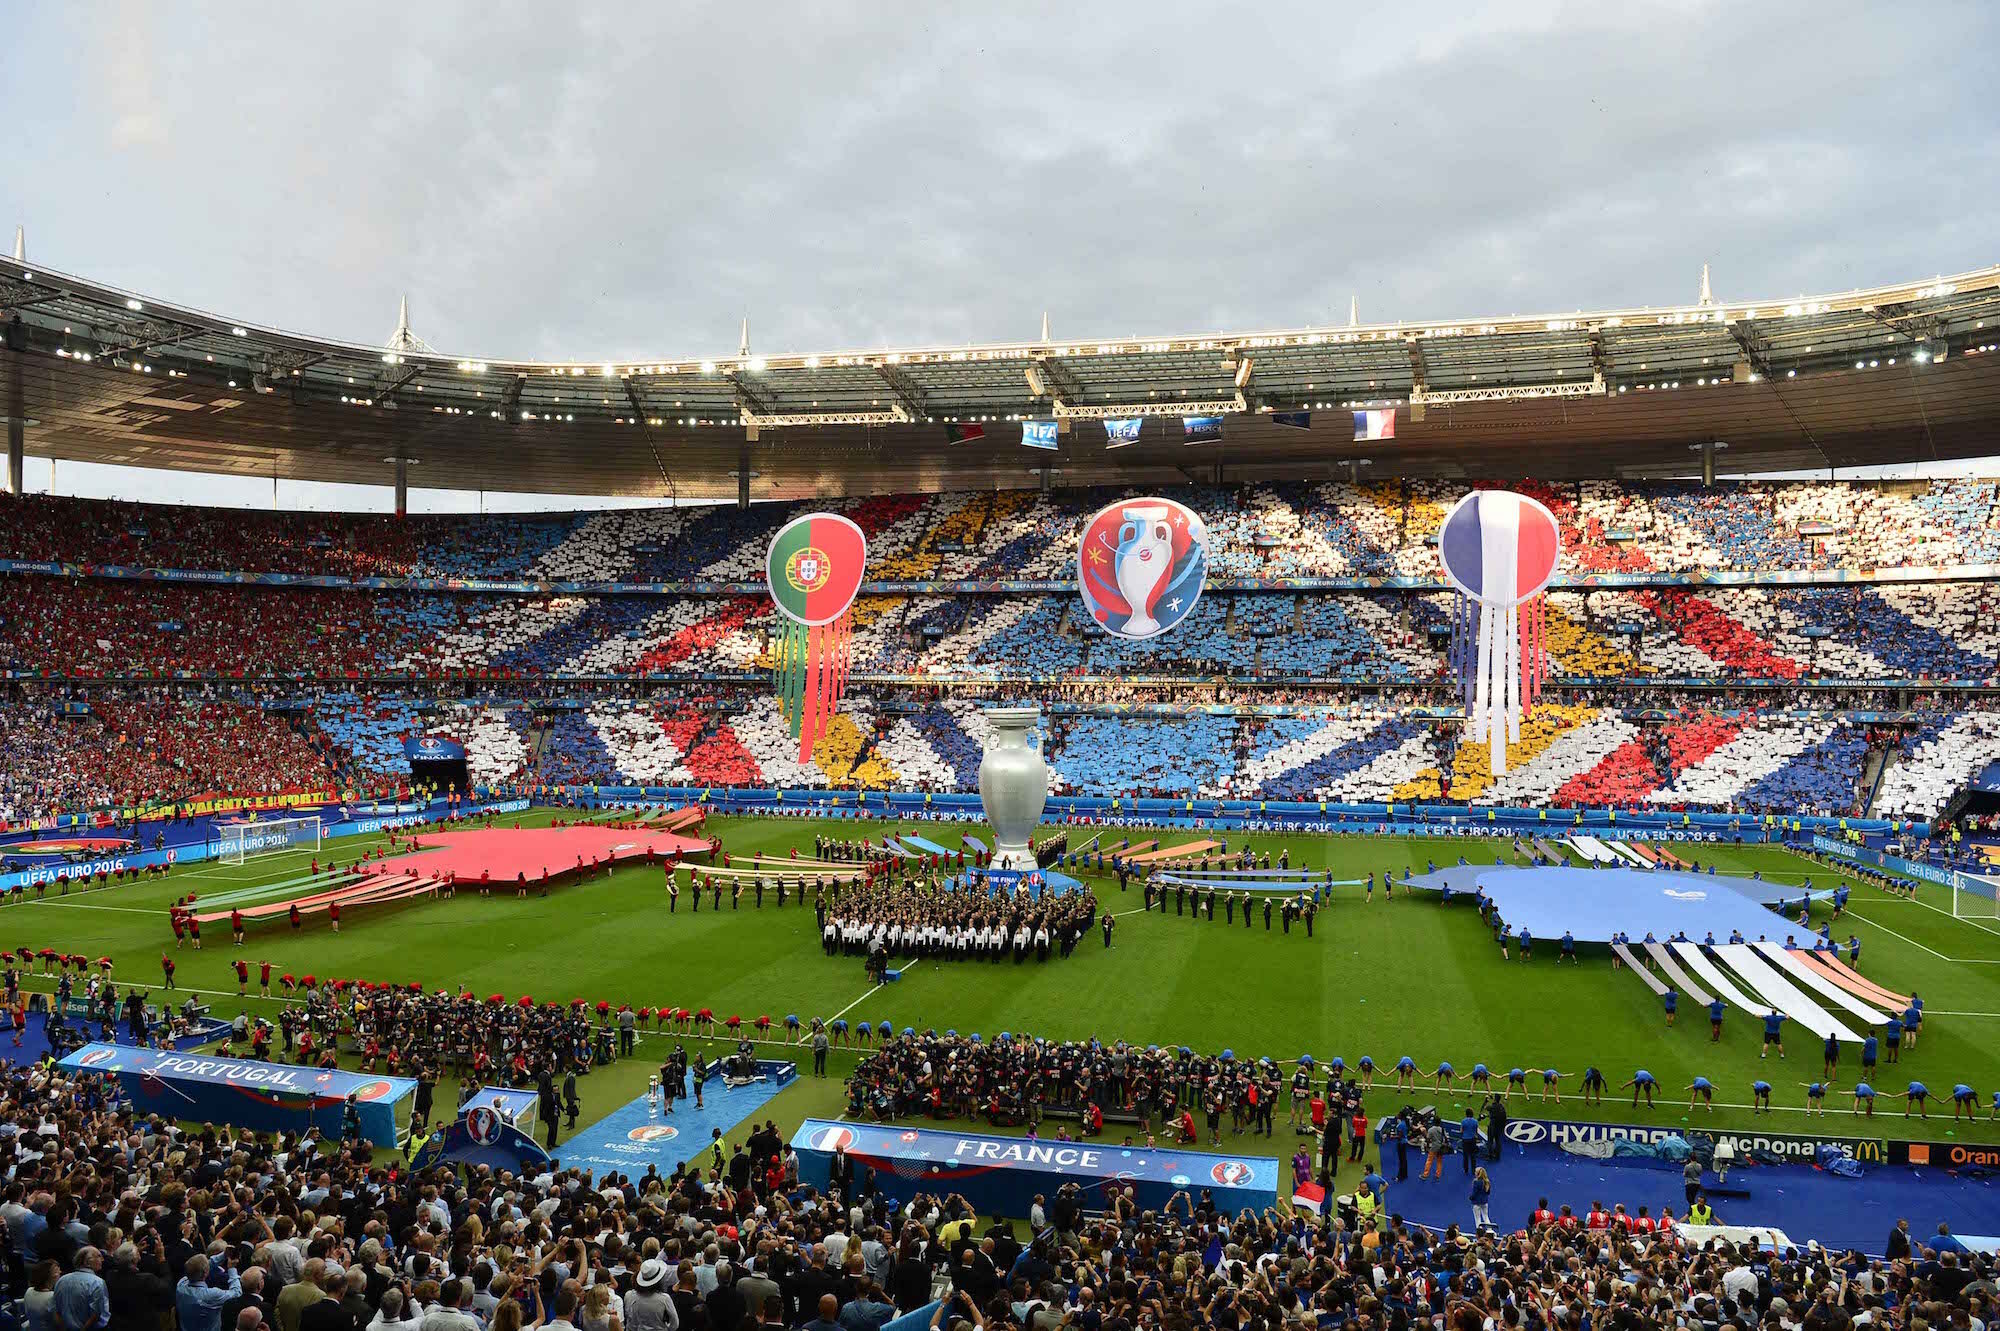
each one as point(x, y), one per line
point(1899, 373)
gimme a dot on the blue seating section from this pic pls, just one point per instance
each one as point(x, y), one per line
point(371, 731)
point(574, 753)
point(1303, 782)
point(714, 534)
point(492, 547)
point(1202, 643)
point(1334, 525)
point(1035, 645)
point(941, 729)
point(1859, 618)
point(1738, 523)
point(1823, 779)
point(605, 617)
point(1330, 643)
point(1104, 755)
point(1965, 508)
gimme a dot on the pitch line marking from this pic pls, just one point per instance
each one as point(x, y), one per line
point(851, 1006)
point(1956, 961)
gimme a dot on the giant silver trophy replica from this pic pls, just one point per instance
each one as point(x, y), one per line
point(1013, 784)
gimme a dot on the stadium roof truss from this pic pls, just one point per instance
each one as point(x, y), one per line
point(1890, 374)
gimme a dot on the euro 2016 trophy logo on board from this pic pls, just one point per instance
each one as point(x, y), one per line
point(1013, 784)
point(1141, 566)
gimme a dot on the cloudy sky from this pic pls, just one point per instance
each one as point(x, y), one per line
point(630, 182)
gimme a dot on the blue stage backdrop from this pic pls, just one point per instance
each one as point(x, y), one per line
point(1001, 1175)
point(264, 1097)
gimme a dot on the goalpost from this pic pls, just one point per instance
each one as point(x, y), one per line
point(237, 842)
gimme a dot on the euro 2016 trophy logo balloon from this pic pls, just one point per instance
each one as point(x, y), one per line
point(1499, 550)
point(814, 569)
point(1141, 566)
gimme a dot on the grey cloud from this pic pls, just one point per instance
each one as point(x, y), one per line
point(625, 181)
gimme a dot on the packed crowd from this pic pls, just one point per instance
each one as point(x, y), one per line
point(99, 628)
point(118, 749)
point(121, 1222)
point(1285, 529)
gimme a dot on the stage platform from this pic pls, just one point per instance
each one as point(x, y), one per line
point(508, 853)
point(1036, 881)
point(1594, 904)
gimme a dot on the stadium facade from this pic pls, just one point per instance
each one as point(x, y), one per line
point(1813, 647)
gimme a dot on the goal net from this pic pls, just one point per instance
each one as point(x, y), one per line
point(1974, 897)
point(237, 842)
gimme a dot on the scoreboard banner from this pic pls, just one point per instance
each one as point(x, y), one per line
point(1002, 1175)
point(244, 1093)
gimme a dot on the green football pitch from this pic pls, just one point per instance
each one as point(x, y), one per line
point(1386, 978)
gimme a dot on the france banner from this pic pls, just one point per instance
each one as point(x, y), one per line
point(1005, 1174)
point(1499, 550)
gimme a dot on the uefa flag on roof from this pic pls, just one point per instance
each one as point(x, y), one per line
point(1119, 432)
point(1375, 424)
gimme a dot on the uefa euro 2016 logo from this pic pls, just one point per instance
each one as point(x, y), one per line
point(1141, 566)
point(482, 1125)
point(1231, 1173)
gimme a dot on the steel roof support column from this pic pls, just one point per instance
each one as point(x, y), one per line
point(17, 454)
point(743, 474)
point(402, 487)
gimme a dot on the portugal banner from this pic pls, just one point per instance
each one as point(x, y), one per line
point(813, 571)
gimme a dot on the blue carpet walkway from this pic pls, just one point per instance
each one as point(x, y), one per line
point(630, 1139)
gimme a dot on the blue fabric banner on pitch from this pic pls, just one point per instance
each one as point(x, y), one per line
point(1003, 1174)
point(243, 1093)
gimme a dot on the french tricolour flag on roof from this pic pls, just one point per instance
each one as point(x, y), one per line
point(1309, 1197)
point(1375, 424)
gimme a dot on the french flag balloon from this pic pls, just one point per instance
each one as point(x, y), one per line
point(1499, 550)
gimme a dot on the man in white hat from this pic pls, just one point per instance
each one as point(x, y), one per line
point(648, 1306)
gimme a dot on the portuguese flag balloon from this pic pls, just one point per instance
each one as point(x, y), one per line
point(813, 570)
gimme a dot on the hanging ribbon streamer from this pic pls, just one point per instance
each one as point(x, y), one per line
point(814, 569)
point(1499, 551)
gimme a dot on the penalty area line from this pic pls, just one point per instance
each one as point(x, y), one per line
point(1956, 961)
